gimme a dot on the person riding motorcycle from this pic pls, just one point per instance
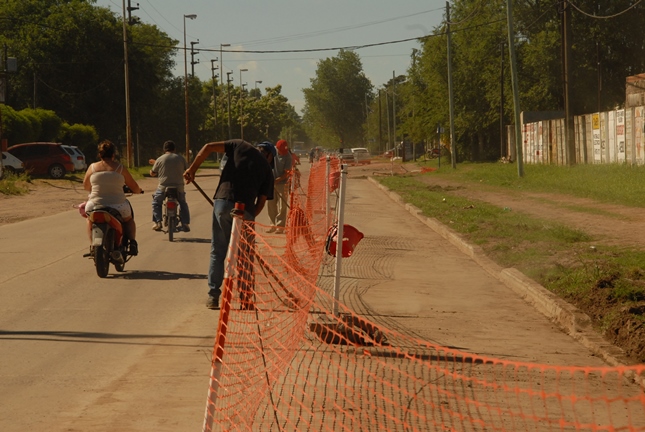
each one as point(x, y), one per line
point(104, 180)
point(170, 168)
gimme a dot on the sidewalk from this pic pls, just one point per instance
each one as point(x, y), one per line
point(417, 277)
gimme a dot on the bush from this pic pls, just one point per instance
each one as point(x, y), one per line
point(83, 136)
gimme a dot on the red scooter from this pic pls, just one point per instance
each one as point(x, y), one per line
point(108, 244)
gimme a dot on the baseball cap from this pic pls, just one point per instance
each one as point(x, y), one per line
point(267, 146)
point(282, 147)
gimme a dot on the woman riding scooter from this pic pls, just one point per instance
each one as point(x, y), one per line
point(105, 180)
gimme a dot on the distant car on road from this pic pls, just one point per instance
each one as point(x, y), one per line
point(347, 157)
point(43, 158)
point(302, 153)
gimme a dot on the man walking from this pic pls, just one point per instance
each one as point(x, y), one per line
point(279, 206)
point(170, 168)
point(246, 178)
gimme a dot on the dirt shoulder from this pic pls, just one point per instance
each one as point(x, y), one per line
point(49, 196)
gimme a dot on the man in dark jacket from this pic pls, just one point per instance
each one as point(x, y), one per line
point(247, 178)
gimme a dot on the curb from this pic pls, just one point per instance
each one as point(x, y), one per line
point(569, 318)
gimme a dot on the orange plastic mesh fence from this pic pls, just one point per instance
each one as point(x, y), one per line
point(288, 364)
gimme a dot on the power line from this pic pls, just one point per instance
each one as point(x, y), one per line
point(606, 16)
point(347, 48)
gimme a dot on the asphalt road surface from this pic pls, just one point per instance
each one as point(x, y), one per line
point(128, 352)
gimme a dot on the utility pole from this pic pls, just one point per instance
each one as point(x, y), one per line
point(192, 57)
point(451, 99)
point(501, 104)
point(516, 89)
point(214, 76)
point(394, 112)
point(568, 118)
point(380, 134)
point(128, 129)
point(228, 91)
point(135, 20)
point(387, 113)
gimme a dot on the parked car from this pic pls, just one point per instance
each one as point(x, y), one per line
point(362, 155)
point(44, 158)
point(12, 164)
point(347, 157)
point(78, 158)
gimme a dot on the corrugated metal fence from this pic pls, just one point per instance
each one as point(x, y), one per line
point(600, 138)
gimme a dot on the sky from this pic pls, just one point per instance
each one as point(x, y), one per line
point(286, 25)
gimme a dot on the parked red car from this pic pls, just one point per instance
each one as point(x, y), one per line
point(43, 158)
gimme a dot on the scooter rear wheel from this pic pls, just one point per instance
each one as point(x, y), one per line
point(102, 261)
point(102, 254)
point(172, 226)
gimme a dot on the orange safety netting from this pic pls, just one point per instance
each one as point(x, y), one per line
point(284, 362)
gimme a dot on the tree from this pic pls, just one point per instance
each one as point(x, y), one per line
point(335, 104)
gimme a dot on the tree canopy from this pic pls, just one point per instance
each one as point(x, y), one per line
point(336, 102)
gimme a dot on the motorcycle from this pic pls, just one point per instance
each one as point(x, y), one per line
point(109, 243)
point(171, 212)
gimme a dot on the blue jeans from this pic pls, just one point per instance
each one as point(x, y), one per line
point(157, 203)
point(221, 236)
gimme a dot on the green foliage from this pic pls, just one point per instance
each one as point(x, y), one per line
point(16, 127)
point(82, 136)
point(335, 103)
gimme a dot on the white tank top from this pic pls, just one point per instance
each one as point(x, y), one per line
point(107, 187)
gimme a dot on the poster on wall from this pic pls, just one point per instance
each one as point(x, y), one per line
point(595, 127)
point(611, 136)
point(540, 149)
point(620, 134)
point(638, 136)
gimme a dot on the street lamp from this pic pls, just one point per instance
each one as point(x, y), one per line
point(189, 16)
point(241, 106)
point(256, 84)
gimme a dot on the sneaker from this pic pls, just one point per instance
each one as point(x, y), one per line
point(134, 248)
point(212, 303)
point(270, 230)
point(279, 230)
point(156, 226)
point(185, 228)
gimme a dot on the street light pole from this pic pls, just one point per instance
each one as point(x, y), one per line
point(241, 106)
point(228, 91)
point(256, 84)
point(189, 16)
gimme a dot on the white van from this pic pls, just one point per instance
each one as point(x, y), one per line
point(361, 155)
point(12, 164)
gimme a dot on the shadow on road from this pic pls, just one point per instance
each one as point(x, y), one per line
point(94, 337)
point(157, 275)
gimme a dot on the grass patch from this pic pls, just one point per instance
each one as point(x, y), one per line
point(15, 184)
point(613, 183)
point(512, 238)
